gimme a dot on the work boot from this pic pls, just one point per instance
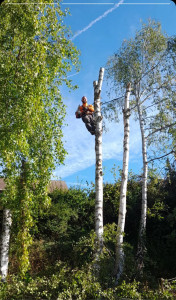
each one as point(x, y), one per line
point(92, 132)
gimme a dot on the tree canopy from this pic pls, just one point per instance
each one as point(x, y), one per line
point(148, 62)
point(35, 56)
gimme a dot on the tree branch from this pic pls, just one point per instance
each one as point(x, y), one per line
point(153, 66)
point(145, 108)
point(19, 53)
point(160, 129)
point(161, 156)
point(149, 95)
point(113, 100)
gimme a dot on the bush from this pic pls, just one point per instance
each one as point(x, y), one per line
point(67, 284)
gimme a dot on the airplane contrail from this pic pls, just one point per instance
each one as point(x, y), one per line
point(97, 19)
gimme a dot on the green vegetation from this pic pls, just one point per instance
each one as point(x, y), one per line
point(35, 56)
point(62, 255)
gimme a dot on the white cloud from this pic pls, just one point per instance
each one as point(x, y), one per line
point(80, 144)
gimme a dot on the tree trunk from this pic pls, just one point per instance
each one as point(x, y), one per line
point(142, 230)
point(119, 264)
point(99, 170)
point(6, 224)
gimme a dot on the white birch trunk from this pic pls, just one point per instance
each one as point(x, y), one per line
point(99, 169)
point(7, 221)
point(123, 191)
point(142, 229)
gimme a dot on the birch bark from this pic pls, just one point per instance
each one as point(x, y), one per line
point(98, 153)
point(7, 221)
point(123, 191)
point(142, 230)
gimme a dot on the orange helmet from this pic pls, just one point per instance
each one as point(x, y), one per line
point(84, 99)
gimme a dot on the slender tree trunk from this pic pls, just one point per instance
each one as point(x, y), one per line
point(6, 224)
point(142, 230)
point(123, 191)
point(99, 170)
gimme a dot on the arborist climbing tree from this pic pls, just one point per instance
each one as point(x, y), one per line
point(93, 123)
point(85, 112)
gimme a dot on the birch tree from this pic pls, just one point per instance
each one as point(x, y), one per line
point(35, 56)
point(123, 191)
point(142, 228)
point(6, 224)
point(146, 63)
point(99, 169)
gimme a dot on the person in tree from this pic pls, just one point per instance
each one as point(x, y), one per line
point(85, 111)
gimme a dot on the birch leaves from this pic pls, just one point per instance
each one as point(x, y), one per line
point(35, 56)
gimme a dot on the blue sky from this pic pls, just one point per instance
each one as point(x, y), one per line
point(98, 33)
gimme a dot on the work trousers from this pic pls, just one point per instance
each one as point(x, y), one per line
point(89, 122)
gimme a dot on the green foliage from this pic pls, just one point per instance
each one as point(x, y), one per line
point(62, 257)
point(63, 284)
point(161, 231)
point(36, 55)
point(149, 65)
point(73, 210)
point(111, 198)
point(81, 284)
point(67, 222)
point(157, 206)
point(137, 56)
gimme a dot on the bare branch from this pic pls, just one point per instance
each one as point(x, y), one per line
point(145, 108)
point(113, 100)
point(161, 156)
point(160, 129)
